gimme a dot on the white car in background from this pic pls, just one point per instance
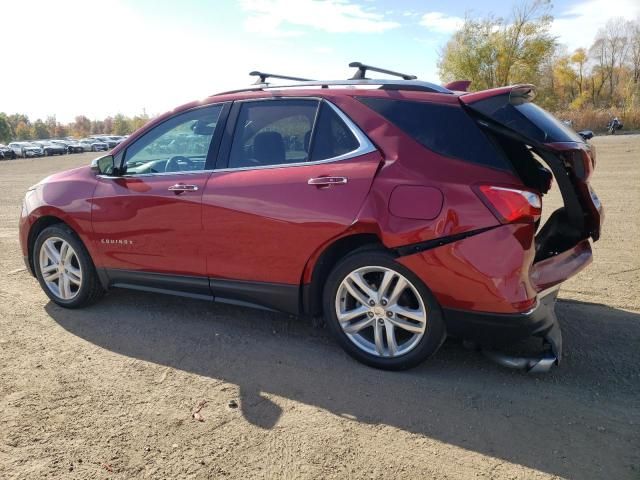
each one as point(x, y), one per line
point(93, 145)
point(26, 149)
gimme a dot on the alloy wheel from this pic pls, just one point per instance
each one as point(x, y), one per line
point(381, 311)
point(60, 268)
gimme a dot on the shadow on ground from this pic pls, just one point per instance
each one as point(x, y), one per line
point(573, 422)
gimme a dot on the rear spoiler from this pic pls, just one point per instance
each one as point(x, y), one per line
point(518, 94)
point(458, 85)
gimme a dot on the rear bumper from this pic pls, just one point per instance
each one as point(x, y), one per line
point(500, 329)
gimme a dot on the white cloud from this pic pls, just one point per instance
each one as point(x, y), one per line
point(277, 17)
point(441, 22)
point(577, 26)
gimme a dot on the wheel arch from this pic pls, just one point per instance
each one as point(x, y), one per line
point(320, 265)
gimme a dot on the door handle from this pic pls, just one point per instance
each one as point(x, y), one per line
point(327, 181)
point(181, 187)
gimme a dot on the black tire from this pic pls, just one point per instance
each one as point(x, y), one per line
point(434, 334)
point(90, 289)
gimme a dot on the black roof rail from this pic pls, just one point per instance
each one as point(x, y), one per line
point(262, 77)
point(361, 73)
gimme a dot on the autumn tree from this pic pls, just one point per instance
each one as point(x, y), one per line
point(121, 125)
point(15, 119)
point(23, 131)
point(493, 52)
point(82, 126)
point(139, 121)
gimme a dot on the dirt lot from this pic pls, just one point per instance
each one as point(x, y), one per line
point(108, 392)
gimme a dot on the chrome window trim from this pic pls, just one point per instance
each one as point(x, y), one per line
point(365, 145)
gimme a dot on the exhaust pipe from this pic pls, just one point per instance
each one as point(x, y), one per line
point(540, 364)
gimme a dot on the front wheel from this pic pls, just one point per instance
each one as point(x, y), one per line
point(381, 313)
point(64, 268)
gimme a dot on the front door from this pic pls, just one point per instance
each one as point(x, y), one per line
point(149, 219)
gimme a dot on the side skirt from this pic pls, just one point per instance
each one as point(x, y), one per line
point(270, 296)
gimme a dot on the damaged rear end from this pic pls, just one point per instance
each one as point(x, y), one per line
point(541, 149)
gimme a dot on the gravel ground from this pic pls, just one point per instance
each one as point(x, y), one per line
point(109, 391)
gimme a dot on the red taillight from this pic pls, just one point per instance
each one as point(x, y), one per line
point(511, 205)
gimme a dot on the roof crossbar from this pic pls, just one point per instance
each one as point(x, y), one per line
point(361, 73)
point(262, 77)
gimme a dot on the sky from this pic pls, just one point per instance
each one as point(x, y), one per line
point(100, 58)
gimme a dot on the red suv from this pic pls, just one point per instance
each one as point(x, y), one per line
point(400, 210)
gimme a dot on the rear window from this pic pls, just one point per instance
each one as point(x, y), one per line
point(444, 129)
point(528, 119)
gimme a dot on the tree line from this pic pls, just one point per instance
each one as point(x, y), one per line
point(18, 126)
point(587, 85)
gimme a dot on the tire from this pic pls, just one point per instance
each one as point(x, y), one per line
point(81, 293)
point(409, 347)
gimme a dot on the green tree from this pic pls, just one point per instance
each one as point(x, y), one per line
point(6, 133)
point(15, 119)
point(493, 52)
point(40, 130)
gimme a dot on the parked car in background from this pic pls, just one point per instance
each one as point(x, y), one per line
point(93, 145)
point(106, 139)
point(71, 146)
point(50, 148)
point(6, 153)
point(26, 149)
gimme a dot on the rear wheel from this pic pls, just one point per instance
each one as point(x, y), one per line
point(64, 268)
point(381, 313)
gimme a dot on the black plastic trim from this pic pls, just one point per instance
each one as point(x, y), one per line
point(499, 329)
point(179, 284)
point(271, 296)
point(276, 296)
point(438, 242)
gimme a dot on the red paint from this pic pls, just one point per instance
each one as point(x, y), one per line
point(416, 202)
point(264, 224)
point(488, 272)
point(165, 228)
point(458, 85)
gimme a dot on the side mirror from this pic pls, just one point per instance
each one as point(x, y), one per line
point(104, 165)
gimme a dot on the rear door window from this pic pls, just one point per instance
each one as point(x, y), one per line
point(444, 129)
point(272, 132)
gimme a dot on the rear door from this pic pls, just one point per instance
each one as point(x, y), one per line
point(509, 111)
point(295, 173)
